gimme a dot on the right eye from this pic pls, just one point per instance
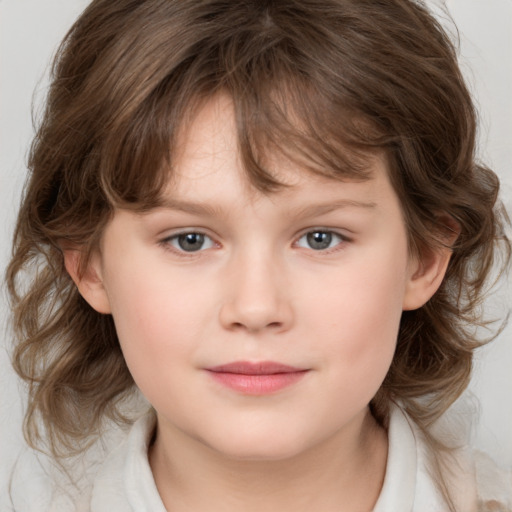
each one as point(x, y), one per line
point(190, 242)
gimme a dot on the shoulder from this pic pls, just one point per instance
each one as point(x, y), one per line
point(473, 480)
point(125, 482)
point(37, 484)
point(414, 466)
point(114, 475)
point(473, 471)
point(494, 484)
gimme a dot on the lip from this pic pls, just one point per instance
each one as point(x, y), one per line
point(256, 378)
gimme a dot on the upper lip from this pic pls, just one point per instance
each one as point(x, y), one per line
point(254, 368)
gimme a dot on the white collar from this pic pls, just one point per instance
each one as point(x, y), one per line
point(125, 481)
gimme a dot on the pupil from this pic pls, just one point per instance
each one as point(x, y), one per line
point(319, 239)
point(191, 241)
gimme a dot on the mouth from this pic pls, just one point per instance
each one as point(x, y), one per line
point(259, 378)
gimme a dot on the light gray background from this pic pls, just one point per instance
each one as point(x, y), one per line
point(29, 33)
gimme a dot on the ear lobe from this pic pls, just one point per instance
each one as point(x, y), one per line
point(88, 282)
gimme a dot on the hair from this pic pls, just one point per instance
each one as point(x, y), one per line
point(323, 82)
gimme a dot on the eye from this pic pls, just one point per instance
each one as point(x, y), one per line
point(190, 242)
point(320, 240)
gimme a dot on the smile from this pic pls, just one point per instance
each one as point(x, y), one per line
point(260, 378)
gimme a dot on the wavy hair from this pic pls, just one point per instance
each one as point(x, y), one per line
point(324, 82)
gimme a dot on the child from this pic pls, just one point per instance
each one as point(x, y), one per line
point(267, 217)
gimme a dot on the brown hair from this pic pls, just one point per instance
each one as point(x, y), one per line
point(322, 81)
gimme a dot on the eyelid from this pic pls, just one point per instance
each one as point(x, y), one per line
point(342, 233)
point(342, 236)
point(165, 241)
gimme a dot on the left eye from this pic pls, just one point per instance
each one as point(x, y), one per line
point(190, 242)
point(319, 240)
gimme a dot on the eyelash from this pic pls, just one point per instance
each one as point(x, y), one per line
point(342, 240)
point(167, 243)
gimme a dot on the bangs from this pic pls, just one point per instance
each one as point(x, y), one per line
point(282, 108)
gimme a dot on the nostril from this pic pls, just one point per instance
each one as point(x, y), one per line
point(242, 326)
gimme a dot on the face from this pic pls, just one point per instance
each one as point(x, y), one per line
point(257, 325)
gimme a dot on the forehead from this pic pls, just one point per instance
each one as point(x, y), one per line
point(207, 156)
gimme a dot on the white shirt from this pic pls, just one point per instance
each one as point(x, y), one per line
point(124, 481)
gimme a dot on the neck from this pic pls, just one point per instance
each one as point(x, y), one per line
point(344, 472)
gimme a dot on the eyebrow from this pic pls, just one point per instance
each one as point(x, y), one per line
point(190, 207)
point(313, 210)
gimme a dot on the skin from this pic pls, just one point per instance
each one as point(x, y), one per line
point(258, 291)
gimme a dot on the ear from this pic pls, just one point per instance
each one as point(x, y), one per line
point(88, 282)
point(427, 270)
point(426, 275)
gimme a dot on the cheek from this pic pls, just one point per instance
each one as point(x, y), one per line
point(150, 319)
point(149, 302)
point(361, 317)
point(161, 317)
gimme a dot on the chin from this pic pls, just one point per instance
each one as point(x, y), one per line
point(258, 446)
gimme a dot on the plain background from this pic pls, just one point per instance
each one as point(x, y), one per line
point(30, 31)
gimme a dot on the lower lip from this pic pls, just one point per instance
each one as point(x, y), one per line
point(258, 384)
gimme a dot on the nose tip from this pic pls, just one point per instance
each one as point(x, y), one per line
point(257, 300)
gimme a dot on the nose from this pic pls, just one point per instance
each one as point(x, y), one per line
point(258, 297)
